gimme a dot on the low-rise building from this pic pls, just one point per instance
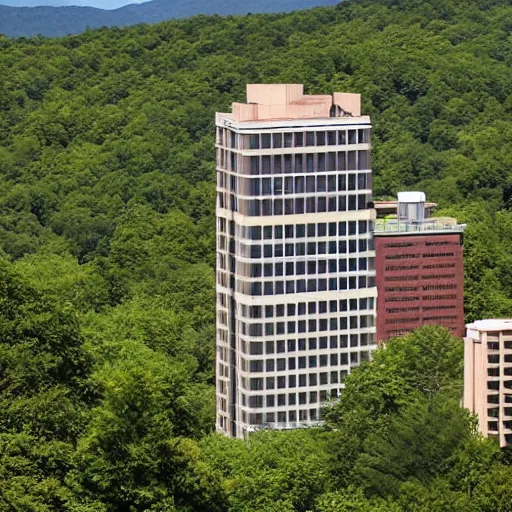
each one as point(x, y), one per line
point(488, 377)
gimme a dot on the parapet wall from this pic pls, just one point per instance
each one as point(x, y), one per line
point(287, 101)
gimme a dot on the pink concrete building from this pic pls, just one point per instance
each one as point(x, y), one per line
point(488, 377)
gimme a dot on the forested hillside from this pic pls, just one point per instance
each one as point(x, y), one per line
point(65, 20)
point(107, 243)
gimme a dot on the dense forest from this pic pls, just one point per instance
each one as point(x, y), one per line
point(107, 241)
point(71, 19)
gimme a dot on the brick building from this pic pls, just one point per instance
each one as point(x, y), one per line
point(419, 267)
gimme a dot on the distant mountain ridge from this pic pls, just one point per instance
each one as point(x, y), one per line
point(60, 21)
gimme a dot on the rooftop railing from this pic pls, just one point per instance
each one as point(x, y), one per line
point(395, 226)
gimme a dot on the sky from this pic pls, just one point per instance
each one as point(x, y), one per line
point(102, 4)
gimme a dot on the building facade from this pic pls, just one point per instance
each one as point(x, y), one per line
point(488, 377)
point(295, 257)
point(419, 266)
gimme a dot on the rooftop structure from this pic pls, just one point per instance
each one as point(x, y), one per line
point(411, 214)
point(419, 267)
point(288, 101)
point(488, 376)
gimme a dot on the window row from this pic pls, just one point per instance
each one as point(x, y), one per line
point(419, 255)
point(267, 288)
point(298, 205)
point(292, 346)
point(294, 381)
point(295, 139)
point(292, 418)
point(291, 268)
point(278, 186)
point(309, 326)
point(294, 163)
point(290, 363)
point(414, 298)
point(258, 251)
point(332, 342)
point(289, 231)
point(307, 308)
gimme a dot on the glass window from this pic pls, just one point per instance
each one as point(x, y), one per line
point(278, 186)
point(320, 138)
point(299, 139)
point(352, 136)
point(255, 165)
point(331, 138)
point(265, 165)
point(342, 161)
point(310, 166)
point(266, 207)
point(288, 163)
point(299, 184)
point(266, 186)
point(278, 167)
point(254, 141)
point(321, 162)
point(351, 161)
point(288, 185)
point(342, 137)
point(288, 140)
point(342, 182)
point(310, 138)
point(277, 139)
point(298, 163)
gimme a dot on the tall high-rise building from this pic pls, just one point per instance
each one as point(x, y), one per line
point(419, 265)
point(295, 257)
point(488, 377)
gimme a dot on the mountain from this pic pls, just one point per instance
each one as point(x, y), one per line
point(60, 21)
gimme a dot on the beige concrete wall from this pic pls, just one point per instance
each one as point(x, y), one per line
point(274, 94)
point(348, 102)
point(288, 101)
point(477, 377)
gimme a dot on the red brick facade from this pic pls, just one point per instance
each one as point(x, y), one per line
point(420, 282)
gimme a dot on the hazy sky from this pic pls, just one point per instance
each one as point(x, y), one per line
point(103, 4)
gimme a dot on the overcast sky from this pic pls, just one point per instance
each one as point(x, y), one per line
point(103, 4)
